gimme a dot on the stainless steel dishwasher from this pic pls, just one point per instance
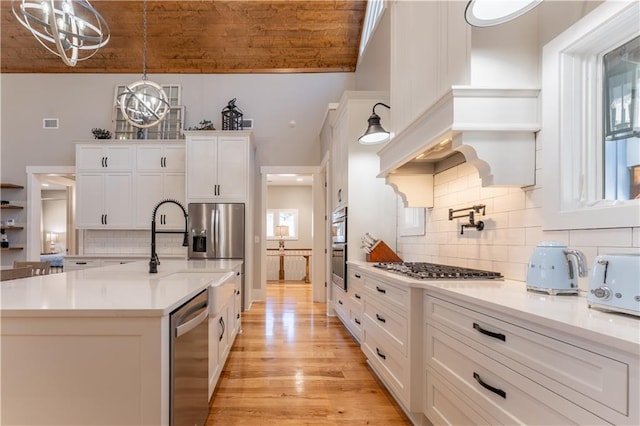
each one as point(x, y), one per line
point(189, 362)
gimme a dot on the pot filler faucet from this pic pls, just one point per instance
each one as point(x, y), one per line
point(154, 262)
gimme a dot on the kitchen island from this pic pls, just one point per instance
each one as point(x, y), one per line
point(91, 347)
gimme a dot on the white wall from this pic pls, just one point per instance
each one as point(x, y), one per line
point(288, 111)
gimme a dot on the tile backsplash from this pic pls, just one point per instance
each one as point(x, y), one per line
point(130, 243)
point(513, 227)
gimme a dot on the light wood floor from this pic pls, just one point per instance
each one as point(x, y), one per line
point(293, 365)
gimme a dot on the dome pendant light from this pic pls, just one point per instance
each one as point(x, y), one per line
point(70, 29)
point(375, 133)
point(144, 103)
point(487, 13)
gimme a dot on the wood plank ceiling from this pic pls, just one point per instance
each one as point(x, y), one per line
point(205, 36)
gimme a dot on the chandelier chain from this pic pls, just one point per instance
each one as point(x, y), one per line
point(144, 40)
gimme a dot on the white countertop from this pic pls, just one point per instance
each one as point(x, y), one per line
point(569, 314)
point(118, 290)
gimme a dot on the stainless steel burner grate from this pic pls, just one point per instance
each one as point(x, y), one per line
point(434, 271)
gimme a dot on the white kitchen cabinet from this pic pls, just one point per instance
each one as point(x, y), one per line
point(391, 336)
point(217, 166)
point(151, 188)
point(104, 157)
point(224, 325)
point(519, 374)
point(104, 200)
point(164, 158)
point(118, 184)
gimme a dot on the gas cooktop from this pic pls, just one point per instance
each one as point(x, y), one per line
point(434, 271)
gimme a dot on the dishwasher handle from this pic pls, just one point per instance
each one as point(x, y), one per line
point(191, 324)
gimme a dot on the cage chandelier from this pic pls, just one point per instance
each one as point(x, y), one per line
point(144, 103)
point(70, 29)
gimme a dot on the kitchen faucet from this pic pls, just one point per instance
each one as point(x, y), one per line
point(154, 262)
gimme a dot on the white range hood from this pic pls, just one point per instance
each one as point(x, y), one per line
point(493, 128)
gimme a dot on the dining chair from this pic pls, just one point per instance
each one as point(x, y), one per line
point(15, 273)
point(39, 268)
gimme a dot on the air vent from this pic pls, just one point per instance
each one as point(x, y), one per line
point(247, 123)
point(49, 123)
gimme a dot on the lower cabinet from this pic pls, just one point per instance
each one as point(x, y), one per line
point(349, 304)
point(224, 325)
point(387, 318)
point(499, 372)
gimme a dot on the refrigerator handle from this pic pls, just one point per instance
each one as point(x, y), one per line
point(216, 230)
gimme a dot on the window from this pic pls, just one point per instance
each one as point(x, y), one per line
point(621, 115)
point(578, 163)
point(282, 217)
point(371, 18)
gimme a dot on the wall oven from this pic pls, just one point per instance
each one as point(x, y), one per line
point(339, 248)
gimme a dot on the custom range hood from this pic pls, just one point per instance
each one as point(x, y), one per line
point(491, 129)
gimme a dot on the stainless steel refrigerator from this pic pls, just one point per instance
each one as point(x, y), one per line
point(217, 231)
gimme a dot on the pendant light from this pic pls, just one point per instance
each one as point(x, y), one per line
point(70, 29)
point(487, 13)
point(375, 133)
point(144, 103)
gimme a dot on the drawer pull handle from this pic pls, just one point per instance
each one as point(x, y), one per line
point(489, 387)
point(381, 290)
point(340, 302)
point(381, 319)
point(81, 263)
point(357, 296)
point(498, 336)
point(357, 321)
point(358, 276)
point(380, 354)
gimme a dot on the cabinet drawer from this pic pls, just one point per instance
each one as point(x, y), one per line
point(506, 395)
point(602, 379)
point(388, 362)
point(355, 322)
point(392, 325)
point(387, 293)
point(340, 303)
point(445, 406)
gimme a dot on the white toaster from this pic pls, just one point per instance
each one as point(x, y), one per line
point(615, 283)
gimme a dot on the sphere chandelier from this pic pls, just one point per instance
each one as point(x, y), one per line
point(70, 29)
point(144, 103)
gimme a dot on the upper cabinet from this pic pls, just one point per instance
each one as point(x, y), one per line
point(217, 165)
point(160, 158)
point(119, 184)
point(464, 94)
point(104, 157)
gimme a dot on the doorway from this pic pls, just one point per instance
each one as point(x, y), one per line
point(50, 211)
point(293, 227)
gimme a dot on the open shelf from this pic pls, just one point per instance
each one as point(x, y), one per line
point(10, 186)
point(15, 248)
point(11, 207)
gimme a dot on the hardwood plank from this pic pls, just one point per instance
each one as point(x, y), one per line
point(293, 365)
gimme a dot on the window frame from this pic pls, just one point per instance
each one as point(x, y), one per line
point(571, 141)
point(294, 237)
